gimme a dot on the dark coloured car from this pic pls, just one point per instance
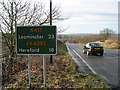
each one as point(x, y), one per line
point(93, 48)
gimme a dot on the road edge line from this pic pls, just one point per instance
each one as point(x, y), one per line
point(101, 76)
point(85, 63)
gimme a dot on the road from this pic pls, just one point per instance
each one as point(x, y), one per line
point(106, 66)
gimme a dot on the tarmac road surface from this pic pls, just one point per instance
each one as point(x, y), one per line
point(106, 66)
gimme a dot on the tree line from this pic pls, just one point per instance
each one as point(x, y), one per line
point(103, 35)
point(19, 13)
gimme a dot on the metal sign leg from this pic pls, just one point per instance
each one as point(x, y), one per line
point(44, 71)
point(29, 70)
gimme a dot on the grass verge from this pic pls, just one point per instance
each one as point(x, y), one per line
point(62, 74)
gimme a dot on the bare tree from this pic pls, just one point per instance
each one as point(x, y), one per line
point(106, 33)
point(16, 12)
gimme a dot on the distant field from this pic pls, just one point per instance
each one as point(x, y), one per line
point(107, 44)
point(80, 34)
point(110, 42)
point(77, 35)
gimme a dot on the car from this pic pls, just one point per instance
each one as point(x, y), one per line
point(93, 48)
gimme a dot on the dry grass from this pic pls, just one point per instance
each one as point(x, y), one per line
point(111, 43)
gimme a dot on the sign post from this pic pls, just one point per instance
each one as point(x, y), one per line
point(51, 58)
point(44, 69)
point(29, 70)
point(50, 12)
point(36, 40)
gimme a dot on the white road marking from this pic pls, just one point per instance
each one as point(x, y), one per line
point(104, 78)
point(101, 76)
point(85, 63)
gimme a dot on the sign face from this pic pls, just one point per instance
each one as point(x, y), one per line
point(36, 40)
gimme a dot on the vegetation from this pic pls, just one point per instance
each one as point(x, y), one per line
point(19, 13)
point(107, 35)
point(111, 43)
point(62, 74)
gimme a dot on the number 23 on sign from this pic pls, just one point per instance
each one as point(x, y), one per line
point(51, 36)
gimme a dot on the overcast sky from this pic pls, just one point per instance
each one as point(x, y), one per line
point(88, 16)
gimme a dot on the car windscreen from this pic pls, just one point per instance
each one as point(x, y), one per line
point(95, 45)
